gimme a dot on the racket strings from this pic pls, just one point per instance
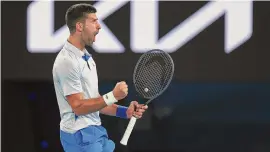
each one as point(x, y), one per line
point(151, 79)
point(153, 73)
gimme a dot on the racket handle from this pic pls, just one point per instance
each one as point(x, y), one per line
point(128, 131)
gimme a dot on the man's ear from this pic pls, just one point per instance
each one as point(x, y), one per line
point(79, 26)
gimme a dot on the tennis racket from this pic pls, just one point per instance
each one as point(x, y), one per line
point(151, 77)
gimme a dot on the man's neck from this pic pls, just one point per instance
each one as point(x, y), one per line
point(76, 42)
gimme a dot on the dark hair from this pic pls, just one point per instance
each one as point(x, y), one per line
point(77, 12)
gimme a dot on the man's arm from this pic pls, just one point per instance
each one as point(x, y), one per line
point(134, 108)
point(82, 106)
point(109, 110)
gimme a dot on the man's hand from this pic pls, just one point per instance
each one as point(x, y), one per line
point(135, 109)
point(120, 90)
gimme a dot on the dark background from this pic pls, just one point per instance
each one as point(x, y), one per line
point(217, 102)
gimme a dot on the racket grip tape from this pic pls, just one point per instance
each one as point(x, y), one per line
point(128, 131)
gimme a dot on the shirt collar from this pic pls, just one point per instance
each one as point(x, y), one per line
point(75, 50)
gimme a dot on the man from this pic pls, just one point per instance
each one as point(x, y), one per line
point(76, 87)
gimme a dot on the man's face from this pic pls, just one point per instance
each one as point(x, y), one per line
point(90, 29)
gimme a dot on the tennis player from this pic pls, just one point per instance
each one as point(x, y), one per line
point(76, 86)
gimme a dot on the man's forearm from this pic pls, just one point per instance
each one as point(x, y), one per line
point(109, 110)
point(89, 106)
point(85, 106)
point(115, 110)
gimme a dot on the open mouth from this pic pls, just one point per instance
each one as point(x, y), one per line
point(95, 36)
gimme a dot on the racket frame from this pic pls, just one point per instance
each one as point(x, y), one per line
point(133, 119)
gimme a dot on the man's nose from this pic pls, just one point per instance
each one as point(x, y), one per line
point(98, 26)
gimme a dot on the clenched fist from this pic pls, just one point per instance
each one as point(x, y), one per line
point(120, 90)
